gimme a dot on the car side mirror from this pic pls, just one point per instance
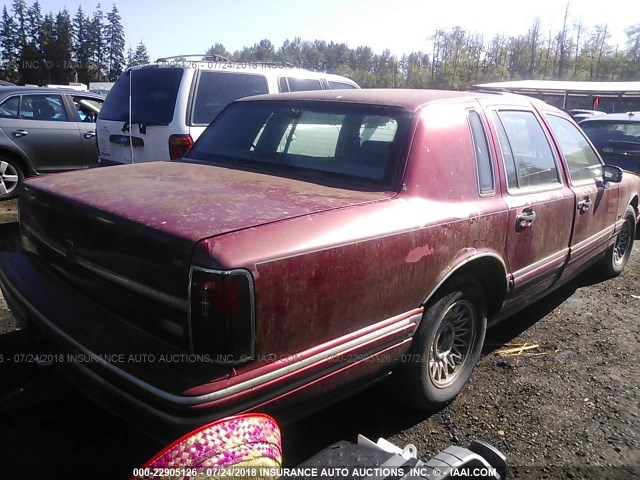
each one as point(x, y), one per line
point(611, 173)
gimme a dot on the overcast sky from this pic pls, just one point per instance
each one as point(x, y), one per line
point(191, 27)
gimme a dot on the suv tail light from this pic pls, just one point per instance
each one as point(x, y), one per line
point(179, 145)
point(221, 315)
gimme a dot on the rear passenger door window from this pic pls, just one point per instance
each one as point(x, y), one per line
point(340, 86)
point(528, 157)
point(583, 162)
point(216, 90)
point(293, 84)
point(43, 107)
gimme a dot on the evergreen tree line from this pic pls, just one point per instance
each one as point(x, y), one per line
point(37, 48)
point(41, 49)
point(459, 59)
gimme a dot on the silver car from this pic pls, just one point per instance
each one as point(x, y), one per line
point(45, 130)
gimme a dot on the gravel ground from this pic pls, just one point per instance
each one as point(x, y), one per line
point(567, 408)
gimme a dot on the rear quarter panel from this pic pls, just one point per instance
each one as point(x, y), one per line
point(322, 276)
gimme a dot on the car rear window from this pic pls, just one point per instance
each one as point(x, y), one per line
point(153, 96)
point(356, 144)
point(601, 133)
point(216, 90)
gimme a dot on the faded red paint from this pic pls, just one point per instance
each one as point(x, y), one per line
point(329, 265)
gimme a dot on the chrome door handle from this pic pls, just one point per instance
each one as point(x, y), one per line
point(525, 218)
point(583, 205)
point(19, 133)
point(90, 134)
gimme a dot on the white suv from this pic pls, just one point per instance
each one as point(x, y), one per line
point(173, 100)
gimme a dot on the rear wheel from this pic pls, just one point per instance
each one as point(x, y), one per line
point(446, 347)
point(11, 178)
point(618, 254)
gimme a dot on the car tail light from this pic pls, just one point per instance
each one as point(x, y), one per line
point(179, 145)
point(221, 314)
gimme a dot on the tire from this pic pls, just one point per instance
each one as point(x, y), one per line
point(11, 178)
point(446, 347)
point(618, 254)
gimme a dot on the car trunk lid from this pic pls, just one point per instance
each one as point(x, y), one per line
point(139, 223)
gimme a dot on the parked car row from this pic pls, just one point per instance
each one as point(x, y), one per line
point(310, 243)
point(156, 112)
point(172, 101)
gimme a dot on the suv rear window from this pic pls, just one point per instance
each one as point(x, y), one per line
point(216, 90)
point(153, 96)
point(354, 144)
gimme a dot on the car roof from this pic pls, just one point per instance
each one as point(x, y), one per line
point(7, 90)
point(273, 68)
point(614, 117)
point(409, 99)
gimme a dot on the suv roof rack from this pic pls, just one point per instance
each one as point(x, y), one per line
point(203, 56)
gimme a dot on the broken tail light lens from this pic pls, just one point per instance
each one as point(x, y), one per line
point(221, 315)
point(179, 145)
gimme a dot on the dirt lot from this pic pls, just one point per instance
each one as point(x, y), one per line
point(567, 408)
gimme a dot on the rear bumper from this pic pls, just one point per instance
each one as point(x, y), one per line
point(54, 310)
point(78, 328)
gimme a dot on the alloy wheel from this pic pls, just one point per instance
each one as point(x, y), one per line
point(452, 343)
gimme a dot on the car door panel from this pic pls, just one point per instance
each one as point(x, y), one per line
point(50, 145)
point(537, 249)
point(84, 111)
point(540, 204)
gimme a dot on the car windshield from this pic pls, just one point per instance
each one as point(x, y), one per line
point(349, 143)
point(153, 96)
point(603, 133)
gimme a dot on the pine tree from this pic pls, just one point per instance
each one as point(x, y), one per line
point(114, 45)
point(81, 45)
point(8, 47)
point(33, 64)
point(46, 42)
point(63, 68)
point(129, 56)
point(140, 57)
point(34, 23)
point(20, 19)
point(96, 45)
